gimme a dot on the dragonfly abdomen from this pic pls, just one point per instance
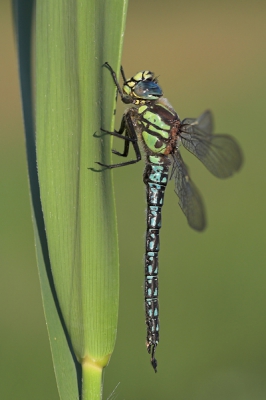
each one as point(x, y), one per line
point(155, 177)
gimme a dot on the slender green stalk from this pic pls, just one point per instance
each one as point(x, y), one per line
point(92, 380)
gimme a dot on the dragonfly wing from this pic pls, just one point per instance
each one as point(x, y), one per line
point(204, 122)
point(189, 197)
point(219, 153)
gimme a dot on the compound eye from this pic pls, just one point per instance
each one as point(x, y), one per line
point(147, 90)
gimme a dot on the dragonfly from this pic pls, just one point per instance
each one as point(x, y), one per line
point(153, 122)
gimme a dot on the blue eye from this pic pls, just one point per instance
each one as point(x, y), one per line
point(147, 90)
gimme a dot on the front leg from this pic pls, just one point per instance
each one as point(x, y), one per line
point(127, 126)
point(119, 134)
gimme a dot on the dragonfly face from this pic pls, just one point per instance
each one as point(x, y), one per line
point(153, 121)
point(142, 88)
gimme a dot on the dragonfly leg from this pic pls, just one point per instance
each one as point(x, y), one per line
point(130, 137)
point(107, 65)
point(126, 138)
point(125, 98)
point(123, 74)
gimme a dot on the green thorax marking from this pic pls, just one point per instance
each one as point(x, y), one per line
point(154, 144)
point(153, 118)
point(156, 121)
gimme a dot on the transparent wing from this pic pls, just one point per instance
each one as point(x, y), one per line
point(219, 153)
point(189, 198)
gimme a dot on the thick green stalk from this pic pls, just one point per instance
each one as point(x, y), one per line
point(76, 234)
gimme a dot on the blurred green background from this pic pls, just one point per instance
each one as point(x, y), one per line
point(208, 54)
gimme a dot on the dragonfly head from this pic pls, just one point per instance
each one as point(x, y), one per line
point(141, 88)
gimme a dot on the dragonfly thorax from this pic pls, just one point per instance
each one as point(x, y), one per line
point(159, 125)
point(142, 88)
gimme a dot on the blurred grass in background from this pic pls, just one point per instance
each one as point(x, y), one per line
point(209, 54)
